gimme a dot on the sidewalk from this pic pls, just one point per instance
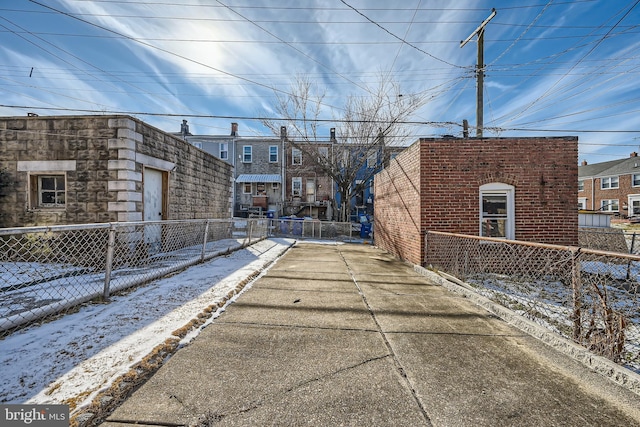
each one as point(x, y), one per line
point(345, 335)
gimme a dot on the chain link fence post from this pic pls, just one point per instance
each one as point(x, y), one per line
point(204, 241)
point(109, 262)
point(576, 287)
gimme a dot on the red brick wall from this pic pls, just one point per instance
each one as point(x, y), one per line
point(544, 172)
point(397, 206)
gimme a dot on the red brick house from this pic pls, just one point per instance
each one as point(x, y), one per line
point(610, 187)
point(513, 188)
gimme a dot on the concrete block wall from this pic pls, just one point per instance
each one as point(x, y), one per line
point(103, 158)
point(543, 171)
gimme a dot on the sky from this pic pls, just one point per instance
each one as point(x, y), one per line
point(81, 354)
point(552, 67)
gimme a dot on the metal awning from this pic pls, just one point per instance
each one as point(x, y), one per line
point(258, 178)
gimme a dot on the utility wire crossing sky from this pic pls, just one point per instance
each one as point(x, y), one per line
point(552, 68)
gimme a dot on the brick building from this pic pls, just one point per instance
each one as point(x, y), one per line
point(93, 169)
point(514, 188)
point(610, 187)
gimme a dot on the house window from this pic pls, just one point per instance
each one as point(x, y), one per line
point(273, 153)
point(609, 182)
point(275, 185)
point(497, 210)
point(247, 154)
point(261, 189)
point(634, 205)
point(50, 190)
point(296, 186)
point(197, 144)
point(296, 156)
point(246, 188)
point(224, 150)
point(609, 205)
point(582, 203)
point(581, 185)
point(635, 180)
point(323, 155)
point(372, 160)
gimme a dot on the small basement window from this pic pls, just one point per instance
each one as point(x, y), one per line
point(47, 191)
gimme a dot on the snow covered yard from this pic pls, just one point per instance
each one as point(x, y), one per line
point(74, 357)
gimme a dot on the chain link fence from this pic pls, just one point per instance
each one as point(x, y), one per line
point(609, 239)
point(301, 228)
point(587, 295)
point(48, 271)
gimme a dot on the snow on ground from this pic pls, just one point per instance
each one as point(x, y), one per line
point(81, 354)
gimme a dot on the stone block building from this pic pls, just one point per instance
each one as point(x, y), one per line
point(93, 169)
point(513, 188)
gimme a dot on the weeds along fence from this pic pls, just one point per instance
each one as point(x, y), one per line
point(590, 296)
point(46, 271)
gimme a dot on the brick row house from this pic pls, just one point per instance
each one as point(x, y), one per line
point(610, 187)
point(285, 177)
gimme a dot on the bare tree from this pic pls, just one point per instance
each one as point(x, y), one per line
point(366, 126)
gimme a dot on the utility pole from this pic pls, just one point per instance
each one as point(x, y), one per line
point(480, 71)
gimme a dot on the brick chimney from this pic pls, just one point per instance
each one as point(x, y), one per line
point(634, 154)
point(234, 129)
point(584, 163)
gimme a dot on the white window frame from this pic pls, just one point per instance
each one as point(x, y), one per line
point(499, 189)
point(224, 150)
point(296, 156)
point(247, 154)
point(631, 199)
point(271, 154)
point(296, 186)
point(609, 182)
point(581, 185)
point(197, 144)
point(609, 205)
point(582, 203)
point(635, 180)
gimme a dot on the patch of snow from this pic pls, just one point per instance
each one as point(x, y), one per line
point(82, 353)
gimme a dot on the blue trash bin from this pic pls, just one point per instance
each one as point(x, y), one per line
point(365, 230)
point(296, 226)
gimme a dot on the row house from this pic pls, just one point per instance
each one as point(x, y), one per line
point(610, 187)
point(285, 177)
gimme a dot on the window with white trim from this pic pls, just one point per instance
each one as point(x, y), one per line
point(634, 206)
point(582, 203)
point(296, 186)
point(296, 156)
point(273, 154)
point(635, 180)
point(609, 182)
point(224, 150)
point(610, 205)
point(497, 210)
point(197, 144)
point(247, 154)
point(581, 185)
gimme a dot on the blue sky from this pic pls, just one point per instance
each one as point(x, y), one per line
point(553, 68)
